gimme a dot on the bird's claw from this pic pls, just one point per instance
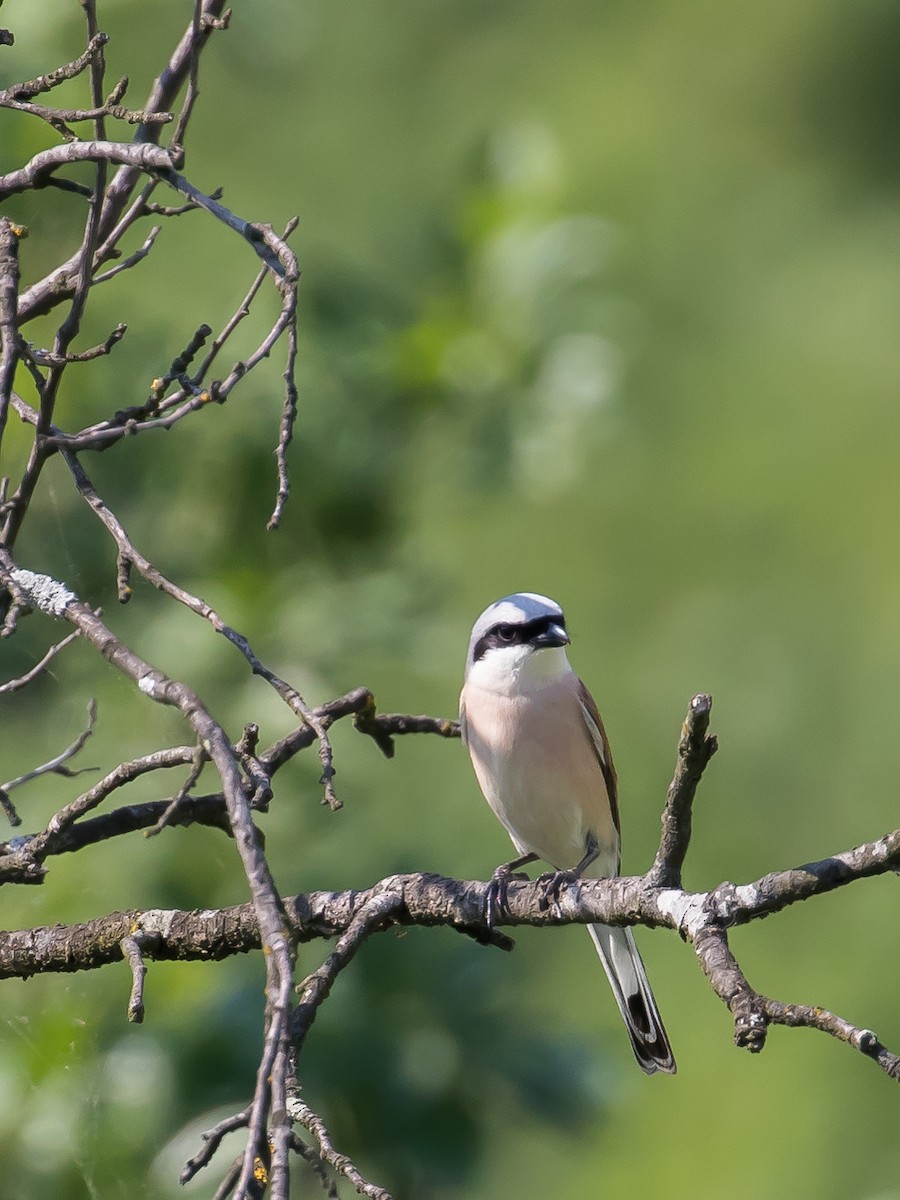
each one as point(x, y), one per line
point(496, 900)
point(553, 884)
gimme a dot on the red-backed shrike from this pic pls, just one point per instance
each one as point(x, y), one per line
point(542, 760)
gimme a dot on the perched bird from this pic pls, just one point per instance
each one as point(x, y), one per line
point(542, 760)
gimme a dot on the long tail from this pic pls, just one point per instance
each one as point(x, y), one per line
point(628, 980)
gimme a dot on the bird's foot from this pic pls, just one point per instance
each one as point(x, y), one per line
point(496, 900)
point(553, 884)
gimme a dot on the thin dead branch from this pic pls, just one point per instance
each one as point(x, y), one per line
point(16, 685)
point(54, 766)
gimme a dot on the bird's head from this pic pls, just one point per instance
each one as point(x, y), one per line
point(518, 642)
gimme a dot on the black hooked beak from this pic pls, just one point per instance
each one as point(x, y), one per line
point(553, 635)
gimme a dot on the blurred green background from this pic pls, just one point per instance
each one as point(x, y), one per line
point(599, 300)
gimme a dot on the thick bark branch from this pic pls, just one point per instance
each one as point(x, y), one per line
point(425, 899)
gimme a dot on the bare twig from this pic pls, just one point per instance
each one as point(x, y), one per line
point(305, 1116)
point(289, 694)
point(314, 1160)
point(695, 748)
point(46, 83)
point(151, 208)
point(133, 259)
point(193, 88)
point(383, 728)
point(9, 333)
point(802, 1016)
point(212, 1139)
point(242, 311)
point(127, 419)
point(286, 433)
point(62, 184)
point(181, 362)
point(55, 766)
point(15, 685)
point(47, 358)
point(9, 808)
point(288, 414)
point(131, 952)
point(377, 913)
point(61, 118)
point(200, 761)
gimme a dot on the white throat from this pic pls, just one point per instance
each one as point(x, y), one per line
point(519, 670)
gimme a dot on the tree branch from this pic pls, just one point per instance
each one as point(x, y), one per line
point(140, 156)
point(9, 299)
point(304, 1115)
point(22, 859)
point(46, 83)
point(55, 766)
point(695, 748)
point(132, 952)
point(15, 685)
point(427, 900)
point(56, 287)
point(41, 592)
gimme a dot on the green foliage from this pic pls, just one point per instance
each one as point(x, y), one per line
point(598, 300)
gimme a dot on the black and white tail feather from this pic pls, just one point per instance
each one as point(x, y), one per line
point(628, 981)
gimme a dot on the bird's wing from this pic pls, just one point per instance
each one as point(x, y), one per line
point(601, 748)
